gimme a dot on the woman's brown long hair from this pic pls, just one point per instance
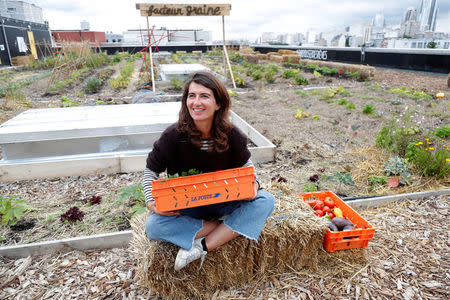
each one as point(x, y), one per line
point(221, 124)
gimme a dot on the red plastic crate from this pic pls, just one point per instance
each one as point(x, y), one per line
point(348, 239)
point(204, 189)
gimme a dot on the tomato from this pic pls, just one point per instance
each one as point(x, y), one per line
point(326, 209)
point(318, 213)
point(331, 215)
point(312, 203)
point(319, 205)
point(329, 202)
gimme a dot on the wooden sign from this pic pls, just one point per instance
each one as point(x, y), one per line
point(169, 10)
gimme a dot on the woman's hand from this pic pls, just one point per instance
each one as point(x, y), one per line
point(255, 187)
point(152, 207)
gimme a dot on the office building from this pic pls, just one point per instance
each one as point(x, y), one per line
point(428, 12)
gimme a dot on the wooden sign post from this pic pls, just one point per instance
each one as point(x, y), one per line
point(188, 10)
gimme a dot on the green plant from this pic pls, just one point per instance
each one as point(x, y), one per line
point(176, 59)
point(368, 109)
point(398, 134)
point(377, 181)
point(301, 80)
point(239, 81)
point(442, 132)
point(257, 75)
point(290, 73)
point(317, 74)
point(50, 219)
point(133, 192)
point(11, 209)
point(301, 93)
point(342, 101)
point(232, 93)
point(269, 76)
point(309, 188)
point(350, 106)
point(67, 102)
point(342, 178)
point(93, 83)
point(397, 166)
point(176, 83)
point(430, 158)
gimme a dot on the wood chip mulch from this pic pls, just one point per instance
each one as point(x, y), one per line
point(407, 259)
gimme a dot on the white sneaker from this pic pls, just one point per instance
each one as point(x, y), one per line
point(184, 257)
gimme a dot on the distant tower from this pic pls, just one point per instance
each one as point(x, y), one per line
point(428, 12)
point(410, 25)
point(410, 15)
point(85, 25)
point(379, 21)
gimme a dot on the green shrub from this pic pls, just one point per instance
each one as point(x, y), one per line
point(430, 158)
point(257, 75)
point(239, 81)
point(368, 109)
point(92, 84)
point(290, 73)
point(11, 209)
point(377, 181)
point(269, 76)
point(176, 83)
point(442, 132)
point(301, 80)
point(342, 101)
point(397, 135)
point(350, 106)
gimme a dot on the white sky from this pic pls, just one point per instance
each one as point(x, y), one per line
point(247, 20)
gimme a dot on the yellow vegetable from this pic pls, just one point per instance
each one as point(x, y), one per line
point(338, 212)
point(440, 95)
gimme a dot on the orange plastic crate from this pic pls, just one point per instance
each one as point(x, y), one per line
point(203, 189)
point(348, 239)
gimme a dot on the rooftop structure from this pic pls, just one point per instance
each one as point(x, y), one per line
point(21, 10)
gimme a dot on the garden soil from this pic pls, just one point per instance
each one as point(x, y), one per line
point(314, 134)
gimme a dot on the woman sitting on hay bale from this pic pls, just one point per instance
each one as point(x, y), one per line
point(203, 139)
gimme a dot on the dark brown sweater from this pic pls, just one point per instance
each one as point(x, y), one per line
point(173, 152)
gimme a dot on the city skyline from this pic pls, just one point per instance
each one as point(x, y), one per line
point(246, 21)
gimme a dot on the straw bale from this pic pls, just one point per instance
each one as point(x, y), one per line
point(293, 58)
point(251, 58)
point(286, 243)
point(22, 60)
point(262, 56)
point(276, 58)
point(181, 52)
point(197, 52)
point(246, 50)
point(287, 52)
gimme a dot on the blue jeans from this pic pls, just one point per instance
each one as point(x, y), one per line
point(244, 217)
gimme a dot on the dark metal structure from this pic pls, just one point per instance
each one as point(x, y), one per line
point(11, 29)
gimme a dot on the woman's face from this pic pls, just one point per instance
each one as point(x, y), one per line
point(201, 103)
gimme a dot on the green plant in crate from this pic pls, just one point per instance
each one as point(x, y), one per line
point(11, 209)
